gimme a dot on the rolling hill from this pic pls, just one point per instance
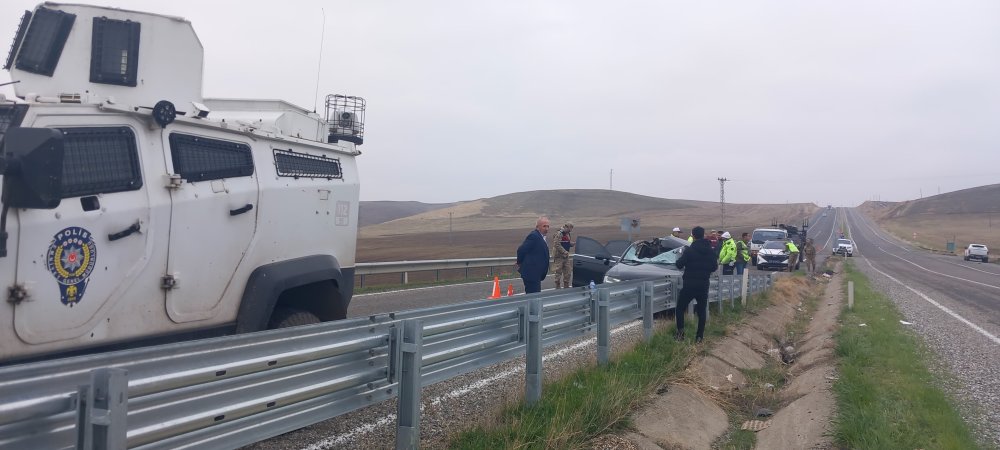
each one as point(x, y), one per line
point(495, 226)
point(963, 217)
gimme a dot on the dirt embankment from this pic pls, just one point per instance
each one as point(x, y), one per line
point(771, 375)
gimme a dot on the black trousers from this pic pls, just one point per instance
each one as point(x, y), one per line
point(530, 287)
point(696, 292)
point(727, 269)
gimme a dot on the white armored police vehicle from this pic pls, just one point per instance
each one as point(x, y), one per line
point(136, 211)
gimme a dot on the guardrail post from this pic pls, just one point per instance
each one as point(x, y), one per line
point(408, 415)
point(647, 310)
point(533, 353)
point(102, 409)
point(603, 326)
point(732, 291)
point(718, 292)
point(675, 289)
point(850, 295)
point(744, 285)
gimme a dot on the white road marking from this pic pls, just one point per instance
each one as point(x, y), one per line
point(390, 418)
point(864, 221)
point(929, 270)
point(969, 267)
point(979, 329)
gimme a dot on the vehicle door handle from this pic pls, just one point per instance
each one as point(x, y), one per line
point(241, 210)
point(124, 233)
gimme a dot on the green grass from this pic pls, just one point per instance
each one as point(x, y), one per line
point(595, 400)
point(886, 396)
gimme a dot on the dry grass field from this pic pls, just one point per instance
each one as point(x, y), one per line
point(496, 226)
point(964, 217)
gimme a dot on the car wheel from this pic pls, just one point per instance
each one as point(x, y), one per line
point(986, 260)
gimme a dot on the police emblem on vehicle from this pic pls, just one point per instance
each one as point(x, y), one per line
point(71, 258)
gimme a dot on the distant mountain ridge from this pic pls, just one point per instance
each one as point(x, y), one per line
point(590, 208)
point(578, 202)
point(977, 200)
point(376, 212)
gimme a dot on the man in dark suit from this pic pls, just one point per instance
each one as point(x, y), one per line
point(533, 257)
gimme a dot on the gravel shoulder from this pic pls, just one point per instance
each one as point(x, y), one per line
point(966, 362)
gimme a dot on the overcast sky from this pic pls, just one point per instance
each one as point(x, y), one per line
point(794, 101)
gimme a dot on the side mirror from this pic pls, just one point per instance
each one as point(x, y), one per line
point(32, 166)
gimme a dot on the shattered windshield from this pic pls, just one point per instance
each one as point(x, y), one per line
point(636, 255)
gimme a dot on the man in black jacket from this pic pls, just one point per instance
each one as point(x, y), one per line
point(698, 262)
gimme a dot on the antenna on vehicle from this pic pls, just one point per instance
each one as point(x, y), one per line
point(319, 66)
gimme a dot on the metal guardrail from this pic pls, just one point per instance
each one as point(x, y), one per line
point(232, 391)
point(361, 270)
point(434, 264)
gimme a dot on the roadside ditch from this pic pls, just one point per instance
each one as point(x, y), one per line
point(765, 384)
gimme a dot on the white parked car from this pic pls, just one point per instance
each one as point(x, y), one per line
point(774, 255)
point(978, 252)
point(844, 247)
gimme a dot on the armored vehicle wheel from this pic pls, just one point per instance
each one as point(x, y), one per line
point(291, 317)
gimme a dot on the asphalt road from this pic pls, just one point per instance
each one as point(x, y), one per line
point(953, 306)
point(972, 289)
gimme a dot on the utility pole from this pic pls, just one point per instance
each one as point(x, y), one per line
point(722, 199)
point(450, 241)
point(611, 180)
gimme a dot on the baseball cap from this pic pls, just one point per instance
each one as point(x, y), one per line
point(677, 229)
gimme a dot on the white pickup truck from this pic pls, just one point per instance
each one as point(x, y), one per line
point(977, 251)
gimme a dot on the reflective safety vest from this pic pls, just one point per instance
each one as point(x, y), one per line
point(791, 247)
point(742, 252)
point(728, 252)
point(690, 239)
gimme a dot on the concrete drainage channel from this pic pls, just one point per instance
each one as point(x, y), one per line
point(691, 411)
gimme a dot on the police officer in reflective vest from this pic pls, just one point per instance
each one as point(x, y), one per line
point(793, 255)
point(727, 254)
point(742, 253)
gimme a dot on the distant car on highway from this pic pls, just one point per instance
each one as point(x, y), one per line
point(844, 246)
point(774, 255)
point(648, 259)
point(977, 251)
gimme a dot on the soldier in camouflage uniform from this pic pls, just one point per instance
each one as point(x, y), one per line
point(562, 264)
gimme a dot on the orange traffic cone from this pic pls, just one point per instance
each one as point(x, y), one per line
point(510, 289)
point(496, 288)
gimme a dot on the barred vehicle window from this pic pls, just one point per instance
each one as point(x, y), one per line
point(100, 160)
point(199, 158)
point(289, 163)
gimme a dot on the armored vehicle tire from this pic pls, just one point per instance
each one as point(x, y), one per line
point(291, 317)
